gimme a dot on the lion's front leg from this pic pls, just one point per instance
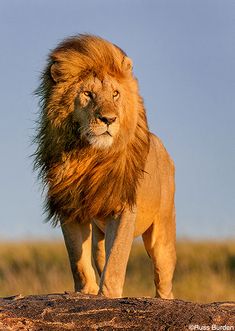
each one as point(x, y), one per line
point(78, 243)
point(98, 248)
point(119, 235)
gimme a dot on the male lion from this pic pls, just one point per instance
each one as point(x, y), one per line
point(109, 179)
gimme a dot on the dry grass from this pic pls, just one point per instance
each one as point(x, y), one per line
point(205, 270)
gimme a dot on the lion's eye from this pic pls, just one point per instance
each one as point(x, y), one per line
point(88, 94)
point(115, 94)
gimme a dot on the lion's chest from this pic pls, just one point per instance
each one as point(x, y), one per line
point(67, 179)
point(84, 189)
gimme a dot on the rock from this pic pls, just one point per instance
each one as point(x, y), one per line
point(75, 311)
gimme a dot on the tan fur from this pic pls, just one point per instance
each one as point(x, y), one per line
point(101, 165)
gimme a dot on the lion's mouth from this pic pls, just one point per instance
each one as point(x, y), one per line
point(100, 136)
point(100, 140)
point(106, 133)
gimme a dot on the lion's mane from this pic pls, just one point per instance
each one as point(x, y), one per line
point(82, 182)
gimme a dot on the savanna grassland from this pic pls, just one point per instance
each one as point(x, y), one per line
point(205, 270)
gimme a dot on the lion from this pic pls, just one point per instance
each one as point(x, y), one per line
point(108, 178)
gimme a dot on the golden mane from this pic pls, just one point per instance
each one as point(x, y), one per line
point(85, 183)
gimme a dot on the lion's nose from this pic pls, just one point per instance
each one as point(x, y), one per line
point(107, 119)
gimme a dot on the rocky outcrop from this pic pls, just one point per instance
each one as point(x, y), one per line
point(74, 311)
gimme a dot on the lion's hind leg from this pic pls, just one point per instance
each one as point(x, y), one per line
point(159, 241)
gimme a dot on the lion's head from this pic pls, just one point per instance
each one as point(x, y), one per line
point(93, 137)
point(100, 111)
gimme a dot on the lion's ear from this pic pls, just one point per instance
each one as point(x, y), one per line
point(127, 64)
point(55, 72)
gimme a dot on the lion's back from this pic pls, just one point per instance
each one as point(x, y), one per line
point(163, 156)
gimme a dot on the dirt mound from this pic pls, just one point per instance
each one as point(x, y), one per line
point(73, 311)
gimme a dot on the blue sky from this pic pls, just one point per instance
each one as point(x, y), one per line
point(183, 54)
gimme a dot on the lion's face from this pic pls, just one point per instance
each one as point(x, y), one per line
point(99, 110)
